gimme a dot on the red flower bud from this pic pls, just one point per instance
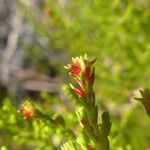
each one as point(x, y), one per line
point(75, 69)
point(82, 71)
point(27, 110)
point(79, 91)
point(87, 73)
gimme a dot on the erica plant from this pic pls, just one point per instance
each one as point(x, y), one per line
point(94, 134)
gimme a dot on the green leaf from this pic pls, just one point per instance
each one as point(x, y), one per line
point(106, 124)
point(145, 100)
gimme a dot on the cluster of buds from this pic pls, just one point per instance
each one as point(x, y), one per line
point(82, 71)
point(27, 109)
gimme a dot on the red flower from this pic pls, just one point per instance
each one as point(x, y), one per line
point(82, 71)
point(27, 113)
point(75, 69)
point(27, 110)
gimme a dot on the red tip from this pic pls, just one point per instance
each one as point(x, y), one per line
point(79, 91)
point(75, 69)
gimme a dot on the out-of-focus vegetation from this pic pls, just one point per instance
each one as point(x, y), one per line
point(118, 34)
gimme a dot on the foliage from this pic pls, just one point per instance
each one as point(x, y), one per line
point(117, 32)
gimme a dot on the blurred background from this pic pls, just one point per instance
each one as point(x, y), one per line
point(38, 37)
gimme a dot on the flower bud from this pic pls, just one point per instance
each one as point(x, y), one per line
point(27, 110)
point(82, 71)
point(87, 73)
point(79, 91)
point(75, 69)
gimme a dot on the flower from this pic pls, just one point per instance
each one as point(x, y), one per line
point(82, 71)
point(27, 110)
point(79, 91)
point(75, 69)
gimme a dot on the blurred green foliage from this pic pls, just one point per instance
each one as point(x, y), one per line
point(36, 133)
point(117, 33)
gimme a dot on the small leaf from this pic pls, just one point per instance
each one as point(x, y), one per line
point(106, 124)
point(145, 100)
